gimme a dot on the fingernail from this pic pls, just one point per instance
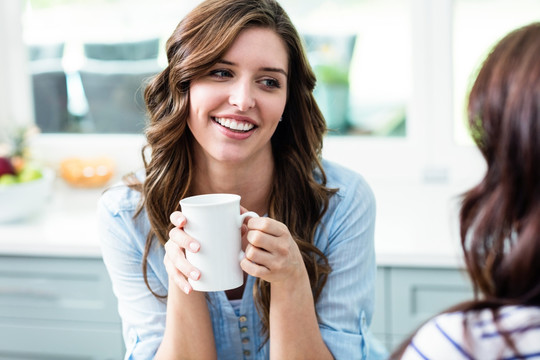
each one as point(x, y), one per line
point(194, 275)
point(194, 246)
point(186, 289)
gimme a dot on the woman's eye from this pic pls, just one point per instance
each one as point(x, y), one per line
point(220, 73)
point(271, 83)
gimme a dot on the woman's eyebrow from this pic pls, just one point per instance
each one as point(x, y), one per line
point(271, 69)
point(264, 68)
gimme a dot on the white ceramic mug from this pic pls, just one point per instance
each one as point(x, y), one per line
point(214, 220)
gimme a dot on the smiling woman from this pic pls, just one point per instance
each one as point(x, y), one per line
point(235, 69)
point(241, 99)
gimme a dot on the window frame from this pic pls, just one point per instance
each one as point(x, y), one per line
point(427, 154)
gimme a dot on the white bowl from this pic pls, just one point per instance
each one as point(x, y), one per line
point(19, 201)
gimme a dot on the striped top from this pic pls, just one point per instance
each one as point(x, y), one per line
point(445, 337)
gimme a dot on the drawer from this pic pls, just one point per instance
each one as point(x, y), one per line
point(74, 289)
point(60, 341)
point(418, 294)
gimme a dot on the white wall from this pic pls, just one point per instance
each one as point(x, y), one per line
point(15, 88)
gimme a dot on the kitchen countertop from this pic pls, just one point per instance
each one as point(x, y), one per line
point(65, 226)
point(416, 225)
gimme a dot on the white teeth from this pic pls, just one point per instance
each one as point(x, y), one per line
point(234, 125)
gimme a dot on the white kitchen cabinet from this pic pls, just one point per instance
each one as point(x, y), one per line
point(57, 308)
point(406, 296)
point(62, 307)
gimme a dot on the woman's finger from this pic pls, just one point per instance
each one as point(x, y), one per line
point(271, 252)
point(268, 226)
point(258, 256)
point(177, 258)
point(176, 276)
point(183, 240)
point(178, 219)
point(254, 269)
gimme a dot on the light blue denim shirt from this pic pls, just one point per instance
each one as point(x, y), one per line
point(345, 306)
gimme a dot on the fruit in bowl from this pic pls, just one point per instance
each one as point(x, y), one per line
point(23, 191)
point(87, 172)
point(6, 167)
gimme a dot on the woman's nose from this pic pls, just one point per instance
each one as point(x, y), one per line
point(242, 96)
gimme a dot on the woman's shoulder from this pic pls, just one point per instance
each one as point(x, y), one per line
point(507, 318)
point(351, 186)
point(477, 333)
point(512, 319)
point(120, 197)
point(343, 178)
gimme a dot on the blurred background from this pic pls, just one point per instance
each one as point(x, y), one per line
point(392, 79)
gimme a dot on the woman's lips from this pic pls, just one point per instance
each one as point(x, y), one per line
point(234, 124)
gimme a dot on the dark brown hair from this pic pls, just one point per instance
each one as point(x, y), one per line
point(500, 217)
point(299, 196)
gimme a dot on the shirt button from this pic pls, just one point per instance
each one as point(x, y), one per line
point(243, 329)
point(245, 340)
point(247, 352)
point(242, 318)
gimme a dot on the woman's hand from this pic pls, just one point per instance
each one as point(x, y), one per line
point(178, 268)
point(271, 252)
point(188, 327)
point(273, 255)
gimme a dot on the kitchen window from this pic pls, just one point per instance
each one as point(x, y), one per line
point(87, 71)
point(393, 74)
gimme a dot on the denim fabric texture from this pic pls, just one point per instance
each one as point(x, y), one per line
point(345, 307)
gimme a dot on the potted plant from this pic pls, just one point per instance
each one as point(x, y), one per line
point(330, 57)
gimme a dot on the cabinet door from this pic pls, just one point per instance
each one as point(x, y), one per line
point(379, 322)
point(57, 308)
point(74, 289)
point(59, 340)
point(417, 294)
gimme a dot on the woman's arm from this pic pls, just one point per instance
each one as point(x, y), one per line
point(149, 323)
point(294, 331)
point(345, 305)
point(346, 235)
point(188, 330)
point(273, 256)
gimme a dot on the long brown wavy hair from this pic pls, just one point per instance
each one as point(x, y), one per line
point(500, 217)
point(299, 196)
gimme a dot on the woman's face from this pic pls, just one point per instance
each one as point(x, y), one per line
point(236, 106)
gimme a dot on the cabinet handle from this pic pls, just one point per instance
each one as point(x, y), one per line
point(28, 293)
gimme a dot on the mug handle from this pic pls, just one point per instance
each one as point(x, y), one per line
point(241, 219)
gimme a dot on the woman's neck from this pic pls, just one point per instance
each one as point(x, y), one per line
point(252, 181)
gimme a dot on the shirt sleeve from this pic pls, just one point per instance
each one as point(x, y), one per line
point(345, 306)
point(439, 338)
point(142, 313)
